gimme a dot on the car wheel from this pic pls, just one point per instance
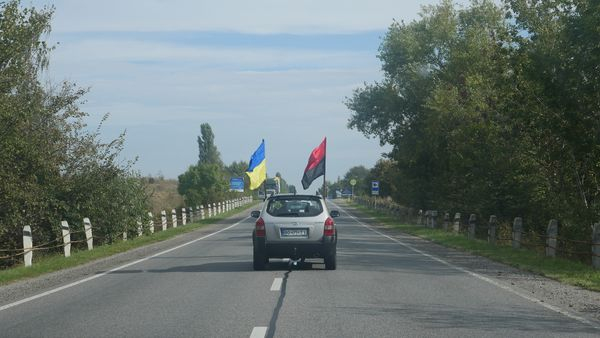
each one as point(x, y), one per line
point(259, 260)
point(330, 260)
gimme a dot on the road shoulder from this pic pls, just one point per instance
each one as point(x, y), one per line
point(578, 301)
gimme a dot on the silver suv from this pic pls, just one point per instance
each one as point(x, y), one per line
point(295, 227)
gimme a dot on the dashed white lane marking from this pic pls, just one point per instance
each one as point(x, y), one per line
point(259, 332)
point(276, 286)
point(480, 277)
point(49, 292)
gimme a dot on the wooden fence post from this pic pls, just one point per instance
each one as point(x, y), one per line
point(472, 226)
point(163, 219)
point(517, 231)
point(174, 218)
point(456, 225)
point(66, 235)
point(27, 245)
point(446, 221)
point(183, 216)
point(151, 222)
point(492, 224)
point(596, 245)
point(87, 225)
point(551, 235)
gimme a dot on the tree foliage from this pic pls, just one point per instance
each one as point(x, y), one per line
point(51, 167)
point(207, 150)
point(491, 109)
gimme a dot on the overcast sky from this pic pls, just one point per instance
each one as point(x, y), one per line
point(272, 69)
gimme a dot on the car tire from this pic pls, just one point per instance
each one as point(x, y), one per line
point(259, 260)
point(259, 254)
point(330, 260)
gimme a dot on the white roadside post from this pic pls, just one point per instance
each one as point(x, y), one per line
point(87, 225)
point(209, 210)
point(66, 235)
point(27, 246)
point(151, 222)
point(174, 217)
point(140, 230)
point(183, 217)
point(163, 220)
point(202, 212)
point(215, 211)
point(125, 235)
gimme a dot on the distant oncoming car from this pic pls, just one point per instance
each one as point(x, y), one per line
point(295, 227)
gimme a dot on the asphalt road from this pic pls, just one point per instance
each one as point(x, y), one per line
point(383, 287)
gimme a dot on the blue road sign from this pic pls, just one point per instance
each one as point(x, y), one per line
point(375, 188)
point(236, 184)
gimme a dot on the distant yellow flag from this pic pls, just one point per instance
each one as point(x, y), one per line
point(257, 169)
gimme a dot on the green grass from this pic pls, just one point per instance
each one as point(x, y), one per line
point(43, 264)
point(564, 270)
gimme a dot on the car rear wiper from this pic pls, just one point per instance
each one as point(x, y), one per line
point(289, 214)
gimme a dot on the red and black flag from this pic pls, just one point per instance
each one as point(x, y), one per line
point(316, 165)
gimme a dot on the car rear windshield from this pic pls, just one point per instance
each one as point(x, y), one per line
point(294, 206)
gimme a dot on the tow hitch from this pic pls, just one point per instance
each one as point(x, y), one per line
point(294, 259)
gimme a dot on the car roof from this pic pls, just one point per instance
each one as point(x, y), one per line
point(299, 196)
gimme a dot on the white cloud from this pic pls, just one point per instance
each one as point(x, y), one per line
point(257, 16)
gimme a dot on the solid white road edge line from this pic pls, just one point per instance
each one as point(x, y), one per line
point(259, 332)
point(276, 286)
point(478, 276)
point(49, 292)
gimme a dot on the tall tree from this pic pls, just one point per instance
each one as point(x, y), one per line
point(207, 150)
point(205, 182)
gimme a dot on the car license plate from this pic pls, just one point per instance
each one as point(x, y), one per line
point(294, 232)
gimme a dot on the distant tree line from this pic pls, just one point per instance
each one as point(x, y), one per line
point(51, 167)
point(207, 181)
point(492, 109)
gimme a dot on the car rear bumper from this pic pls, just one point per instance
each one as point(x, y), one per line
point(297, 250)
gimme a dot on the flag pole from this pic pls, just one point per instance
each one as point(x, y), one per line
point(325, 171)
point(264, 184)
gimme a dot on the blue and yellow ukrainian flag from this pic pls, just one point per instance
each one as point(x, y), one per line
point(257, 169)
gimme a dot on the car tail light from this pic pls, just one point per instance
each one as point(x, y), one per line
point(329, 229)
point(260, 227)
